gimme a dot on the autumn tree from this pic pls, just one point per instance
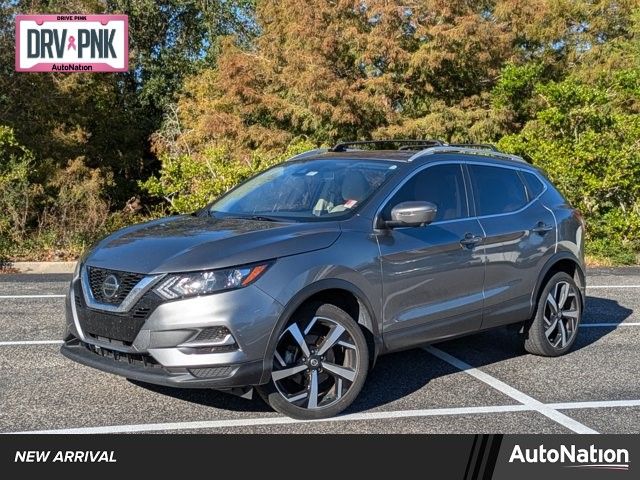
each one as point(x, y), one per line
point(84, 129)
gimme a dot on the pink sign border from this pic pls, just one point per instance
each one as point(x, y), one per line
point(97, 66)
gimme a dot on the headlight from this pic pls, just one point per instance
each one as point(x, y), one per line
point(182, 285)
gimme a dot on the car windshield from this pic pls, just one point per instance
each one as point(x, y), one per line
point(306, 190)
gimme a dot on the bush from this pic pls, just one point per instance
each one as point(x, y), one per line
point(187, 183)
point(79, 209)
point(51, 221)
point(586, 136)
point(17, 191)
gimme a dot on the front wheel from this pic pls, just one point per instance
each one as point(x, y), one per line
point(319, 365)
point(555, 325)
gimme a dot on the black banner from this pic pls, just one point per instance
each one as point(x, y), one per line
point(465, 457)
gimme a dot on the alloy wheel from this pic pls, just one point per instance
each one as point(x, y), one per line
point(561, 314)
point(315, 364)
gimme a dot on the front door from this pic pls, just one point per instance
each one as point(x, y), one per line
point(432, 275)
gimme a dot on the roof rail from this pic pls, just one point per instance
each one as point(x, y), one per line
point(308, 153)
point(472, 151)
point(404, 143)
point(483, 146)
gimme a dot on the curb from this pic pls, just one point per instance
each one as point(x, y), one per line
point(43, 267)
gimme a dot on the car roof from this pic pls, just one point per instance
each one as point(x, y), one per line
point(426, 155)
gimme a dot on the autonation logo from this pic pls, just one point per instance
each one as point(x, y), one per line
point(573, 457)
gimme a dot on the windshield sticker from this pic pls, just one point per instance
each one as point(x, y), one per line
point(350, 203)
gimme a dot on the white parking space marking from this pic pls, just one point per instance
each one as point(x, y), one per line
point(596, 404)
point(252, 422)
point(612, 286)
point(608, 325)
point(7, 297)
point(508, 390)
point(249, 422)
point(31, 342)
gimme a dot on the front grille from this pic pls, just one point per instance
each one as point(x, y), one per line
point(108, 340)
point(126, 280)
point(136, 359)
point(124, 326)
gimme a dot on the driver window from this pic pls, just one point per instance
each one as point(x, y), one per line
point(442, 185)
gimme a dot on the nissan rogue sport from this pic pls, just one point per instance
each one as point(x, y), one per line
point(296, 280)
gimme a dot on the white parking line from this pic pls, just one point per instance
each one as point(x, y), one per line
point(31, 342)
point(263, 421)
point(612, 286)
point(596, 404)
point(607, 325)
point(249, 422)
point(508, 390)
point(7, 297)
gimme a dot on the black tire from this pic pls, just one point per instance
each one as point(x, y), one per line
point(347, 358)
point(554, 329)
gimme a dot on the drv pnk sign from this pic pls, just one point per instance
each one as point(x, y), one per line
point(72, 43)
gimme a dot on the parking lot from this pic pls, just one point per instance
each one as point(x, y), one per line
point(481, 383)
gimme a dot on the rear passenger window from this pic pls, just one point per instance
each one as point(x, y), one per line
point(533, 183)
point(442, 185)
point(497, 190)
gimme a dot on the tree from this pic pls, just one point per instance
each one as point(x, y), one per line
point(102, 122)
point(585, 132)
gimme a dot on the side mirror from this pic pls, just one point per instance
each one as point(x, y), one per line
point(412, 214)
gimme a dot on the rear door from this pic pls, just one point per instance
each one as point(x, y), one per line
point(520, 237)
point(432, 275)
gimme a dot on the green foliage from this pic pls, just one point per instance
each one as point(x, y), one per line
point(16, 162)
point(218, 90)
point(585, 133)
point(188, 183)
point(515, 88)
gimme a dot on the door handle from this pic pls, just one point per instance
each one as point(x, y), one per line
point(470, 240)
point(542, 228)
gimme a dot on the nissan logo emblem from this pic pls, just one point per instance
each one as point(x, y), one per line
point(110, 286)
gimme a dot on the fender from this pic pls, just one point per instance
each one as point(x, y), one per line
point(304, 294)
point(559, 256)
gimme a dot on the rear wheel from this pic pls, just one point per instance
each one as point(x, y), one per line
point(554, 328)
point(319, 365)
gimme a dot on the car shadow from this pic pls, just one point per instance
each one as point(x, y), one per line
point(400, 374)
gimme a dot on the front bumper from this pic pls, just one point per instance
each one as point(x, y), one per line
point(221, 377)
point(160, 348)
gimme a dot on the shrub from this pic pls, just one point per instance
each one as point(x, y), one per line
point(17, 191)
point(586, 137)
point(188, 182)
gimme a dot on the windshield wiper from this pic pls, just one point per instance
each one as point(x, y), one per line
point(260, 218)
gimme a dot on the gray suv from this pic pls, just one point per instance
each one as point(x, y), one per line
point(295, 281)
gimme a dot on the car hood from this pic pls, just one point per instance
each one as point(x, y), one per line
point(188, 243)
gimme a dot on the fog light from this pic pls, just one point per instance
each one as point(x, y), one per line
point(211, 340)
point(211, 334)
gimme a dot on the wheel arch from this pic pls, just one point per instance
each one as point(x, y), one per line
point(340, 293)
point(560, 262)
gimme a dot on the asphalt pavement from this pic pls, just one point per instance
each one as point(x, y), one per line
point(484, 383)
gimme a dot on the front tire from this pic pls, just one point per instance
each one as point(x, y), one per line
point(320, 364)
point(554, 327)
